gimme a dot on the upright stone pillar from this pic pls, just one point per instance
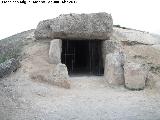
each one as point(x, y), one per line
point(114, 73)
point(59, 76)
point(55, 51)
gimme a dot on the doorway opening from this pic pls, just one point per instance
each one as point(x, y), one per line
point(82, 57)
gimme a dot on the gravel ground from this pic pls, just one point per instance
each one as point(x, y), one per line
point(88, 99)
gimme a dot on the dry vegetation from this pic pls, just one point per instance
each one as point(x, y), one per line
point(11, 47)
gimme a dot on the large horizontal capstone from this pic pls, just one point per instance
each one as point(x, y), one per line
point(76, 26)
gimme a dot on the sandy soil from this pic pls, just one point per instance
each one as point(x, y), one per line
point(22, 98)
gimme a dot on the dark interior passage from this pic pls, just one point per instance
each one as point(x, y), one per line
point(82, 56)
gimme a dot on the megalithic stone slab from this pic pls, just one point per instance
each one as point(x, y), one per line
point(135, 75)
point(55, 51)
point(114, 72)
point(59, 76)
point(93, 26)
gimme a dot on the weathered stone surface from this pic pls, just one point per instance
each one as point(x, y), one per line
point(135, 75)
point(140, 47)
point(76, 26)
point(133, 37)
point(145, 54)
point(59, 76)
point(153, 80)
point(110, 46)
point(55, 51)
point(148, 54)
point(8, 67)
point(114, 73)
